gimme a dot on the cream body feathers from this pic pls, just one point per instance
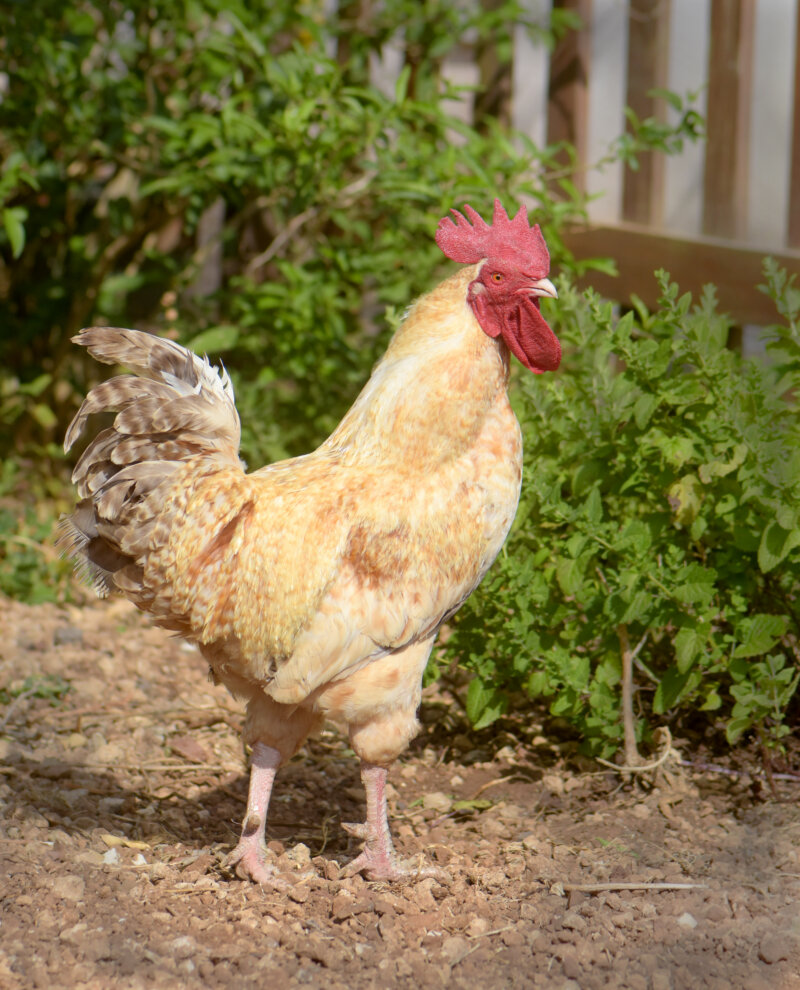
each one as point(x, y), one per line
point(314, 586)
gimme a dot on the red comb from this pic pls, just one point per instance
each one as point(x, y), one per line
point(513, 241)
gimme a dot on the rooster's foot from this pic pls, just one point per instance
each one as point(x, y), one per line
point(248, 861)
point(377, 865)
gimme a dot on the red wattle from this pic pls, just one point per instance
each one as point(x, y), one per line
point(522, 327)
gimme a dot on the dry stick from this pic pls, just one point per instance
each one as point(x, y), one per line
point(631, 752)
point(291, 228)
point(596, 888)
point(713, 768)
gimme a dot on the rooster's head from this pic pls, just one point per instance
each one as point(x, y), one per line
point(504, 295)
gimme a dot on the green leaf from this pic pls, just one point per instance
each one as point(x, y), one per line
point(736, 728)
point(44, 416)
point(758, 634)
point(214, 340)
point(569, 574)
point(688, 643)
point(14, 218)
point(670, 690)
point(401, 86)
point(478, 804)
point(485, 703)
point(643, 409)
point(637, 608)
point(696, 584)
point(719, 469)
point(776, 543)
point(593, 507)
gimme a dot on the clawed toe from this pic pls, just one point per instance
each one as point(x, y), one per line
point(376, 867)
point(249, 863)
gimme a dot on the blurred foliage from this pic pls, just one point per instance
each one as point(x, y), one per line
point(661, 509)
point(227, 174)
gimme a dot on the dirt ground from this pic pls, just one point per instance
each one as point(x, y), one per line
point(122, 782)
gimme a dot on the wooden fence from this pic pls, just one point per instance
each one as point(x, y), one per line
point(709, 214)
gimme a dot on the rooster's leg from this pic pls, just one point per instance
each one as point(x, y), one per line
point(378, 860)
point(248, 858)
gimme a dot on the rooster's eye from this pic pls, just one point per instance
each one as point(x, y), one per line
point(497, 277)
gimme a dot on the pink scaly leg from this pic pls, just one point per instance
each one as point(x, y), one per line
point(378, 860)
point(248, 858)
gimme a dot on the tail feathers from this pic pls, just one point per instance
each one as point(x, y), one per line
point(96, 560)
point(176, 409)
point(173, 390)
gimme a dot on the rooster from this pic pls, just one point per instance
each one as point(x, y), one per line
point(315, 586)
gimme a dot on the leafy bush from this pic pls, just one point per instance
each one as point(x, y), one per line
point(31, 569)
point(221, 172)
point(660, 514)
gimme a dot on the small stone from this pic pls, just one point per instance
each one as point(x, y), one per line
point(70, 888)
point(342, 906)
point(476, 927)
point(717, 912)
point(90, 857)
point(553, 783)
point(437, 801)
point(572, 967)
point(299, 856)
point(183, 947)
point(455, 948)
point(73, 935)
point(660, 980)
point(67, 636)
point(74, 796)
point(110, 753)
point(299, 893)
point(574, 922)
point(111, 857)
point(687, 920)
point(773, 948)
point(76, 740)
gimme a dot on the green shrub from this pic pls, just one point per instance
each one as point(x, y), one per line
point(660, 509)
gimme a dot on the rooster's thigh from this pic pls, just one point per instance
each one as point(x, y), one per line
point(379, 702)
point(283, 727)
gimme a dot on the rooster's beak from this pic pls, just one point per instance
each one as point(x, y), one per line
point(542, 287)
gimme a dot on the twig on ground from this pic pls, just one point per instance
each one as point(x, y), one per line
point(596, 888)
point(486, 786)
point(163, 767)
point(715, 768)
point(494, 931)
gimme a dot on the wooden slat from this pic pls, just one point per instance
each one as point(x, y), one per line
point(648, 58)
point(793, 229)
point(493, 98)
point(728, 115)
point(734, 268)
point(568, 96)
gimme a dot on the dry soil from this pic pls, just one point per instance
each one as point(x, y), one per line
point(120, 798)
